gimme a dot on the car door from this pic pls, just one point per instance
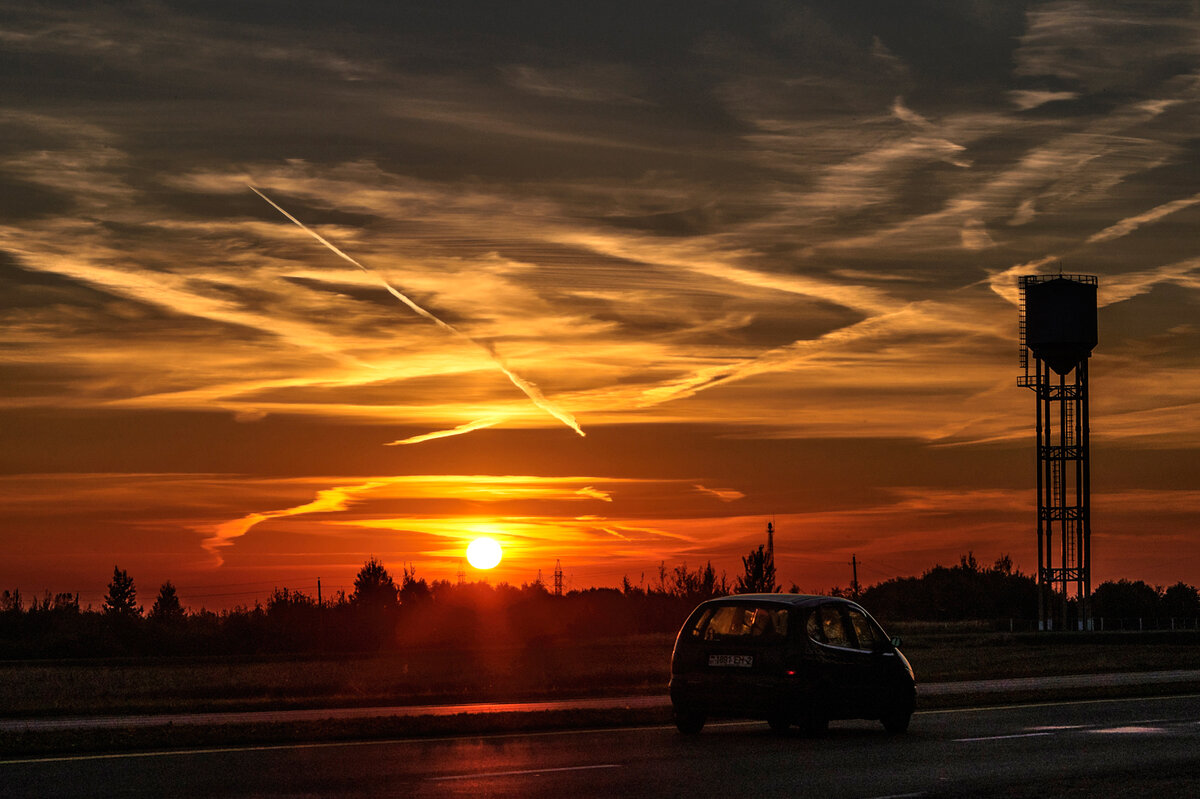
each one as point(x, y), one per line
point(878, 660)
point(842, 670)
point(852, 652)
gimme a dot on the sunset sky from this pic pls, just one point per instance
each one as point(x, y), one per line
point(761, 255)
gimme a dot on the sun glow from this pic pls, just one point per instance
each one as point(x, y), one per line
point(484, 553)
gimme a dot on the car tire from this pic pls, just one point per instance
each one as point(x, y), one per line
point(689, 721)
point(815, 725)
point(896, 722)
point(895, 719)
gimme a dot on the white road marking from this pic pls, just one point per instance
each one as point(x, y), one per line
point(1003, 737)
point(521, 773)
point(1057, 727)
point(533, 734)
point(1068, 703)
point(216, 750)
point(1149, 727)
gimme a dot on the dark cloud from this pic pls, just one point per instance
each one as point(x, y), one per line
point(768, 247)
point(30, 288)
point(20, 201)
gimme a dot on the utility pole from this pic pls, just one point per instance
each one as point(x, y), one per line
point(318, 592)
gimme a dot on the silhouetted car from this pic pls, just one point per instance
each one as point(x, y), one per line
point(788, 659)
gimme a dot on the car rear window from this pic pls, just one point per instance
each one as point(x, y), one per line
point(739, 622)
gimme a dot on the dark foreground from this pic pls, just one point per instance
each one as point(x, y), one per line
point(1127, 747)
point(636, 664)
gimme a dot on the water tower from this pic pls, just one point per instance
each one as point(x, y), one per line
point(1058, 333)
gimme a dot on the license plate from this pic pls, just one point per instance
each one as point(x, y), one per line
point(739, 661)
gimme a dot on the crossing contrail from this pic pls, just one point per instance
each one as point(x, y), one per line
point(527, 388)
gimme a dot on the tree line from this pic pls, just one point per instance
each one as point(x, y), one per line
point(972, 591)
point(383, 614)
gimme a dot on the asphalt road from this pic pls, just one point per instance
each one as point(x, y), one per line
point(928, 692)
point(1110, 748)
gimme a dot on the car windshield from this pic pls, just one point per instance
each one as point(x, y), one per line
point(727, 622)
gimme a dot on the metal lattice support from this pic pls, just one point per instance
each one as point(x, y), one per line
point(1064, 495)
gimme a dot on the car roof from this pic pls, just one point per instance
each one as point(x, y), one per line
point(790, 600)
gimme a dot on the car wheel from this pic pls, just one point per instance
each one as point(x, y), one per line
point(689, 721)
point(895, 718)
point(779, 724)
point(815, 725)
point(896, 722)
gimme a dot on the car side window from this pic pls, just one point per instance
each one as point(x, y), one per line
point(745, 621)
point(813, 627)
point(701, 623)
point(779, 622)
point(832, 626)
point(866, 633)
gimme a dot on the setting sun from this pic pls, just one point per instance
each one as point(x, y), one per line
point(484, 553)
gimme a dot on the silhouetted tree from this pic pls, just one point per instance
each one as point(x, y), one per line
point(534, 591)
point(62, 603)
point(294, 620)
point(66, 602)
point(445, 614)
point(374, 587)
point(166, 608)
point(1125, 599)
point(965, 591)
point(413, 590)
point(121, 599)
point(373, 606)
point(759, 575)
point(629, 589)
point(697, 586)
point(1181, 601)
point(661, 587)
point(10, 601)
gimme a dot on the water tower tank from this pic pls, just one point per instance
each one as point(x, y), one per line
point(1060, 321)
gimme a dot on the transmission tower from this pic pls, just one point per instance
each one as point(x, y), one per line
point(558, 578)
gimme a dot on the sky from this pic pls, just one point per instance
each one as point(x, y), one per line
point(286, 286)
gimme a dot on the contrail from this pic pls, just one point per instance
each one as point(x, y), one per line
point(478, 424)
point(527, 388)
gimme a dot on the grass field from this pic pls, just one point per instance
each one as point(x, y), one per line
point(632, 665)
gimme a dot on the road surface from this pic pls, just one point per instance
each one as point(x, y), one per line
point(1111, 748)
point(977, 689)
